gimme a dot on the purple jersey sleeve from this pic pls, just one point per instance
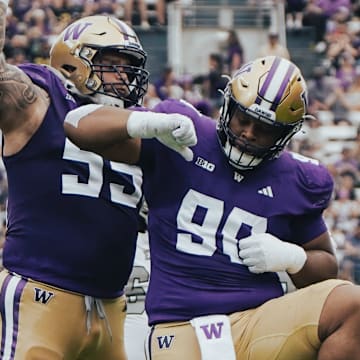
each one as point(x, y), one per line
point(199, 211)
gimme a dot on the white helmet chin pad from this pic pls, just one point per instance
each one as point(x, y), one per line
point(239, 159)
point(107, 100)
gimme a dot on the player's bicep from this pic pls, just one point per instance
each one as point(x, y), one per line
point(17, 93)
point(322, 242)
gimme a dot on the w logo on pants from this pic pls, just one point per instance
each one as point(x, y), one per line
point(165, 341)
point(212, 330)
point(213, 333)
point(43, 296)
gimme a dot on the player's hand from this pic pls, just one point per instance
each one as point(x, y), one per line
point(173, 130)
point(266, 253)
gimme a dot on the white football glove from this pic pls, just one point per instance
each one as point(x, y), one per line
point(173, 130)
point(266, 253)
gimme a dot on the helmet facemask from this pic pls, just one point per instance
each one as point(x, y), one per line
point(131, 81)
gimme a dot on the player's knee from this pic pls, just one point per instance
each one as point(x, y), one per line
point(341, 309)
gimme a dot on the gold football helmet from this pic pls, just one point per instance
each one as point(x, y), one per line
point(79, 51)
point(270, 90)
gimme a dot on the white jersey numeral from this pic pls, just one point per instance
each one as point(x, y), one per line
point(71, 184)
point(206, 232)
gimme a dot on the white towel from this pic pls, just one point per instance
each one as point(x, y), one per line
point(214, 337)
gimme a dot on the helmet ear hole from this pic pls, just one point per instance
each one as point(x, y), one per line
point(68, 68)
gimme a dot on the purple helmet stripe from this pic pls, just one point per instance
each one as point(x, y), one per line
point(258, 100)
point(268, 80)
point(123, 29)
point(283, 87)
point(11, 292)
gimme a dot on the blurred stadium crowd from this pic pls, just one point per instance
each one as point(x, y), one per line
point(332, 136)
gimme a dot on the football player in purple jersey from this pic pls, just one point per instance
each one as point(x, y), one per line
point(72, 215)
point(222, 224)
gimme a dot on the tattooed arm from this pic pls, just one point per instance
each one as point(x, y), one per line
point(21, 107)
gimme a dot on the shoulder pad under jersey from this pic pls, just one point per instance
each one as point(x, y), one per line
point(177, 106)
point(314, 180)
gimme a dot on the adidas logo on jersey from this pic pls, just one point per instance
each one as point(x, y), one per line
point(267, 191)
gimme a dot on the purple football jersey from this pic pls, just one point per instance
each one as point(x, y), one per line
point(72, 216)
point(200, 210)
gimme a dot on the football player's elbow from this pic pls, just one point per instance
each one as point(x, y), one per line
point(77, 137)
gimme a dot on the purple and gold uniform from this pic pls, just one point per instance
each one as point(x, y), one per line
point(71, 214)
point(197, 217)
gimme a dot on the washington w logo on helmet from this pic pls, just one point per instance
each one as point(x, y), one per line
point(75, 31)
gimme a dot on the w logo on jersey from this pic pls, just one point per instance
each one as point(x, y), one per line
point(238, 177)
point(165, 341)
point(74, 32)
point(212, 330)
point(43, 296)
